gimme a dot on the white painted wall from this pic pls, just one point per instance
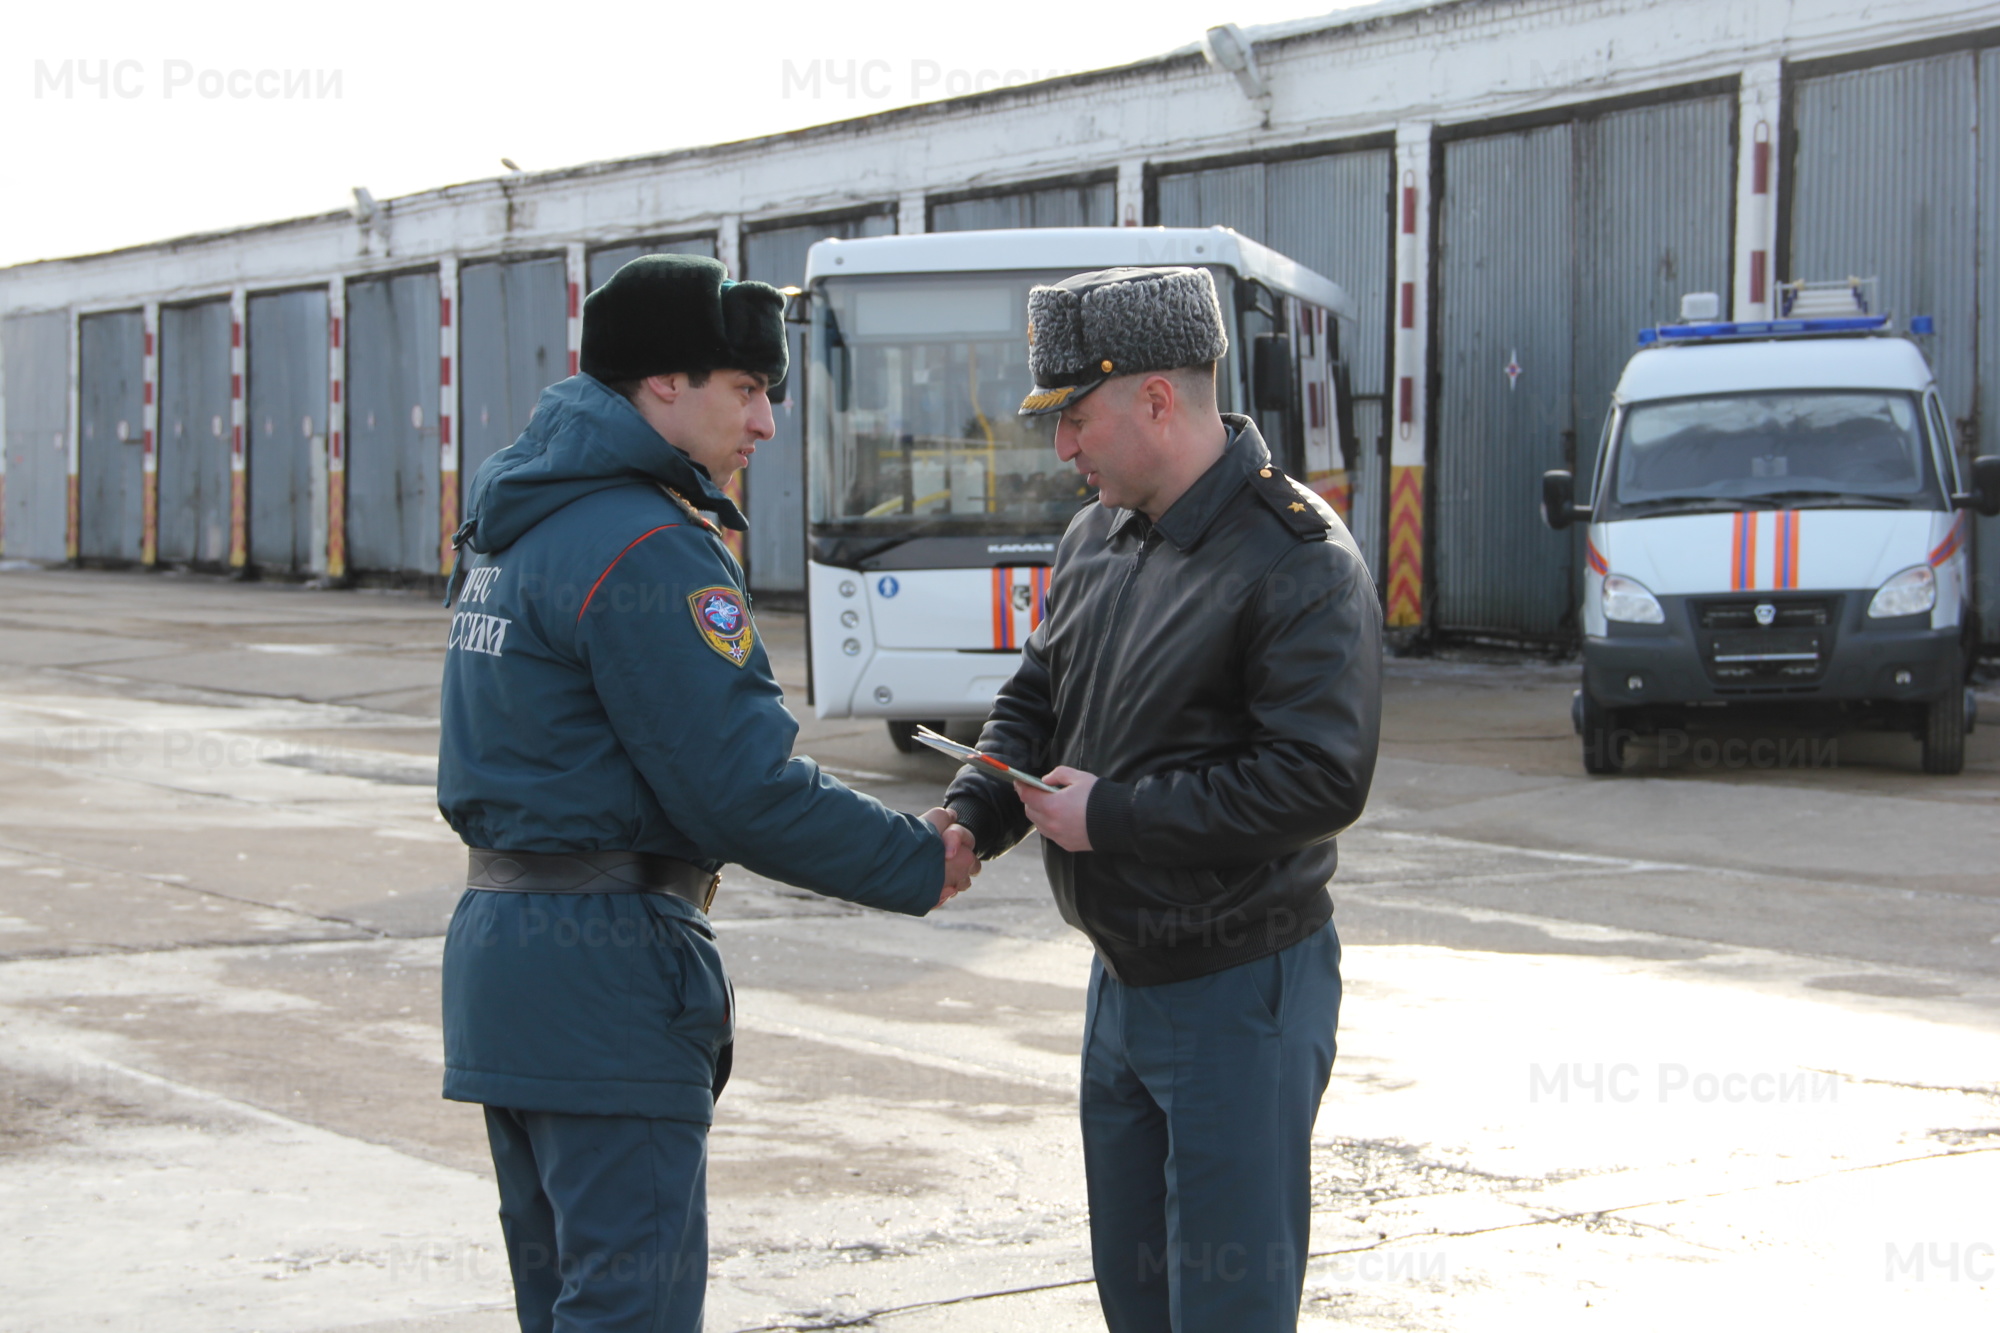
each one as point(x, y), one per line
point(1366, 72)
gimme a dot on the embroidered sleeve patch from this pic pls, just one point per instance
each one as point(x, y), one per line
point(724, 623)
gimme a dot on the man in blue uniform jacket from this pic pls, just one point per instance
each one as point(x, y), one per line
point(611, 736)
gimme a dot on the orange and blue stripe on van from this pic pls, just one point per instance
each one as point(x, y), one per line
point(1948, 548)
point(1743, 552)
point(1784, 551)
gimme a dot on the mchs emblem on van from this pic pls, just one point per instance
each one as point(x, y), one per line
point(1766, 613)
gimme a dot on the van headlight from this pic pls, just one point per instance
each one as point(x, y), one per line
point(1627, 600)
point(1909, 593)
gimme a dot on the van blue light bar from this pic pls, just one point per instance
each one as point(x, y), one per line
point(1765, 328)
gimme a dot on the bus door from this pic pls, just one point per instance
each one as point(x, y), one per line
point(1298, 388)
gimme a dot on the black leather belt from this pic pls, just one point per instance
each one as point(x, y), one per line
point(590, 872)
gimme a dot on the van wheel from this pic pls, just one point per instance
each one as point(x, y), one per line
point(1604, 736)
point(1944, 735)
point(903, 735)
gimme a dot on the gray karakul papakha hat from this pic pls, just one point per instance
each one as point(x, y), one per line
point(1118, 321)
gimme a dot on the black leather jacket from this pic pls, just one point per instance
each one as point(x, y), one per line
point(1220, 673)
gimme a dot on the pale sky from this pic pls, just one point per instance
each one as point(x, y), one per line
point(430, 95)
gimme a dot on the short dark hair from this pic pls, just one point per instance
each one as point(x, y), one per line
point(629, 389)
point(1199, 377)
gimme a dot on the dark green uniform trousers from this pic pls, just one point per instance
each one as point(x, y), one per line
point(1198, 1103)
point(605, 1219)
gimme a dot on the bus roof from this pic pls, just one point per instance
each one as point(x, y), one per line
point(1079, 249)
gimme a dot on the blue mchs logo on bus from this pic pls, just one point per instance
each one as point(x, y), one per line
point(888, 586)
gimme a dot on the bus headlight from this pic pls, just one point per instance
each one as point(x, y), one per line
point(1627, 600)
point(1909, 593)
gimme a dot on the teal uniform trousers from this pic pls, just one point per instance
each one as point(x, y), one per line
point(1198, 1103)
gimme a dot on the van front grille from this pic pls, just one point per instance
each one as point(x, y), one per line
point(1766, 641)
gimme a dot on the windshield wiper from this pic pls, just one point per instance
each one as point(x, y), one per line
point(1828, 499)
point(1685, 504)
point(1711, 504)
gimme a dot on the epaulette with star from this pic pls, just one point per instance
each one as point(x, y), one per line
point(1302, 509)
point(701, 519)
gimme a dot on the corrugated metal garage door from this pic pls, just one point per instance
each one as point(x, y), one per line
point(194, 434)
point(392, 435)
point(1986, 540)
point(288, 427)
point(1093, 204)
point(512, 344)
point(603, 263)
point(776, 481)
point(1557, 245)
point(111, 369)
point(1505, 301)
point(1332, 214)
point(1884, 186)
point(1887, 175)
point(35, 358)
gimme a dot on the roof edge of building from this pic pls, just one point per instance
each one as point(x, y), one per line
point(1360, 18)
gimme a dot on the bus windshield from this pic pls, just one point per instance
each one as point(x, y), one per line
point(1792, 449)
point(914, 383)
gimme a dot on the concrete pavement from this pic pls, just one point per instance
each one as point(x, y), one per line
point(1700, 1043)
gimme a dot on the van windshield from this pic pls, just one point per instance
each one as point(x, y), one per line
point(1795, 449)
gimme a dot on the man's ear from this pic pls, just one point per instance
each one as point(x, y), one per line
point(666, 388)
point(1160, 396)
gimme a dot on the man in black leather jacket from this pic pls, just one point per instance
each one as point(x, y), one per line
point(1205, 690)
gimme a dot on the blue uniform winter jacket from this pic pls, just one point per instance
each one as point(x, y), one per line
point(605, 690)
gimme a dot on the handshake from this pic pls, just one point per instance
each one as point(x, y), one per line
point(960, 865)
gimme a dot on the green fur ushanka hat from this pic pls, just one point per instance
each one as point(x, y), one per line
point(662, 314)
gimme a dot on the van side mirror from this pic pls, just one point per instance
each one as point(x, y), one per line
point(1271, 386)
point(1559, 508)
point(1985, 493)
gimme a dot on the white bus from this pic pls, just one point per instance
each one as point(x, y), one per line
point(933, 511)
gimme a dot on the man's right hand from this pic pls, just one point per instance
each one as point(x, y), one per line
point(960, 862)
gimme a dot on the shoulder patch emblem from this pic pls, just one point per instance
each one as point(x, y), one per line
point(724, 623)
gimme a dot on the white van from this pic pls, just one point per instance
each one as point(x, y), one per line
point(1778, 523)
